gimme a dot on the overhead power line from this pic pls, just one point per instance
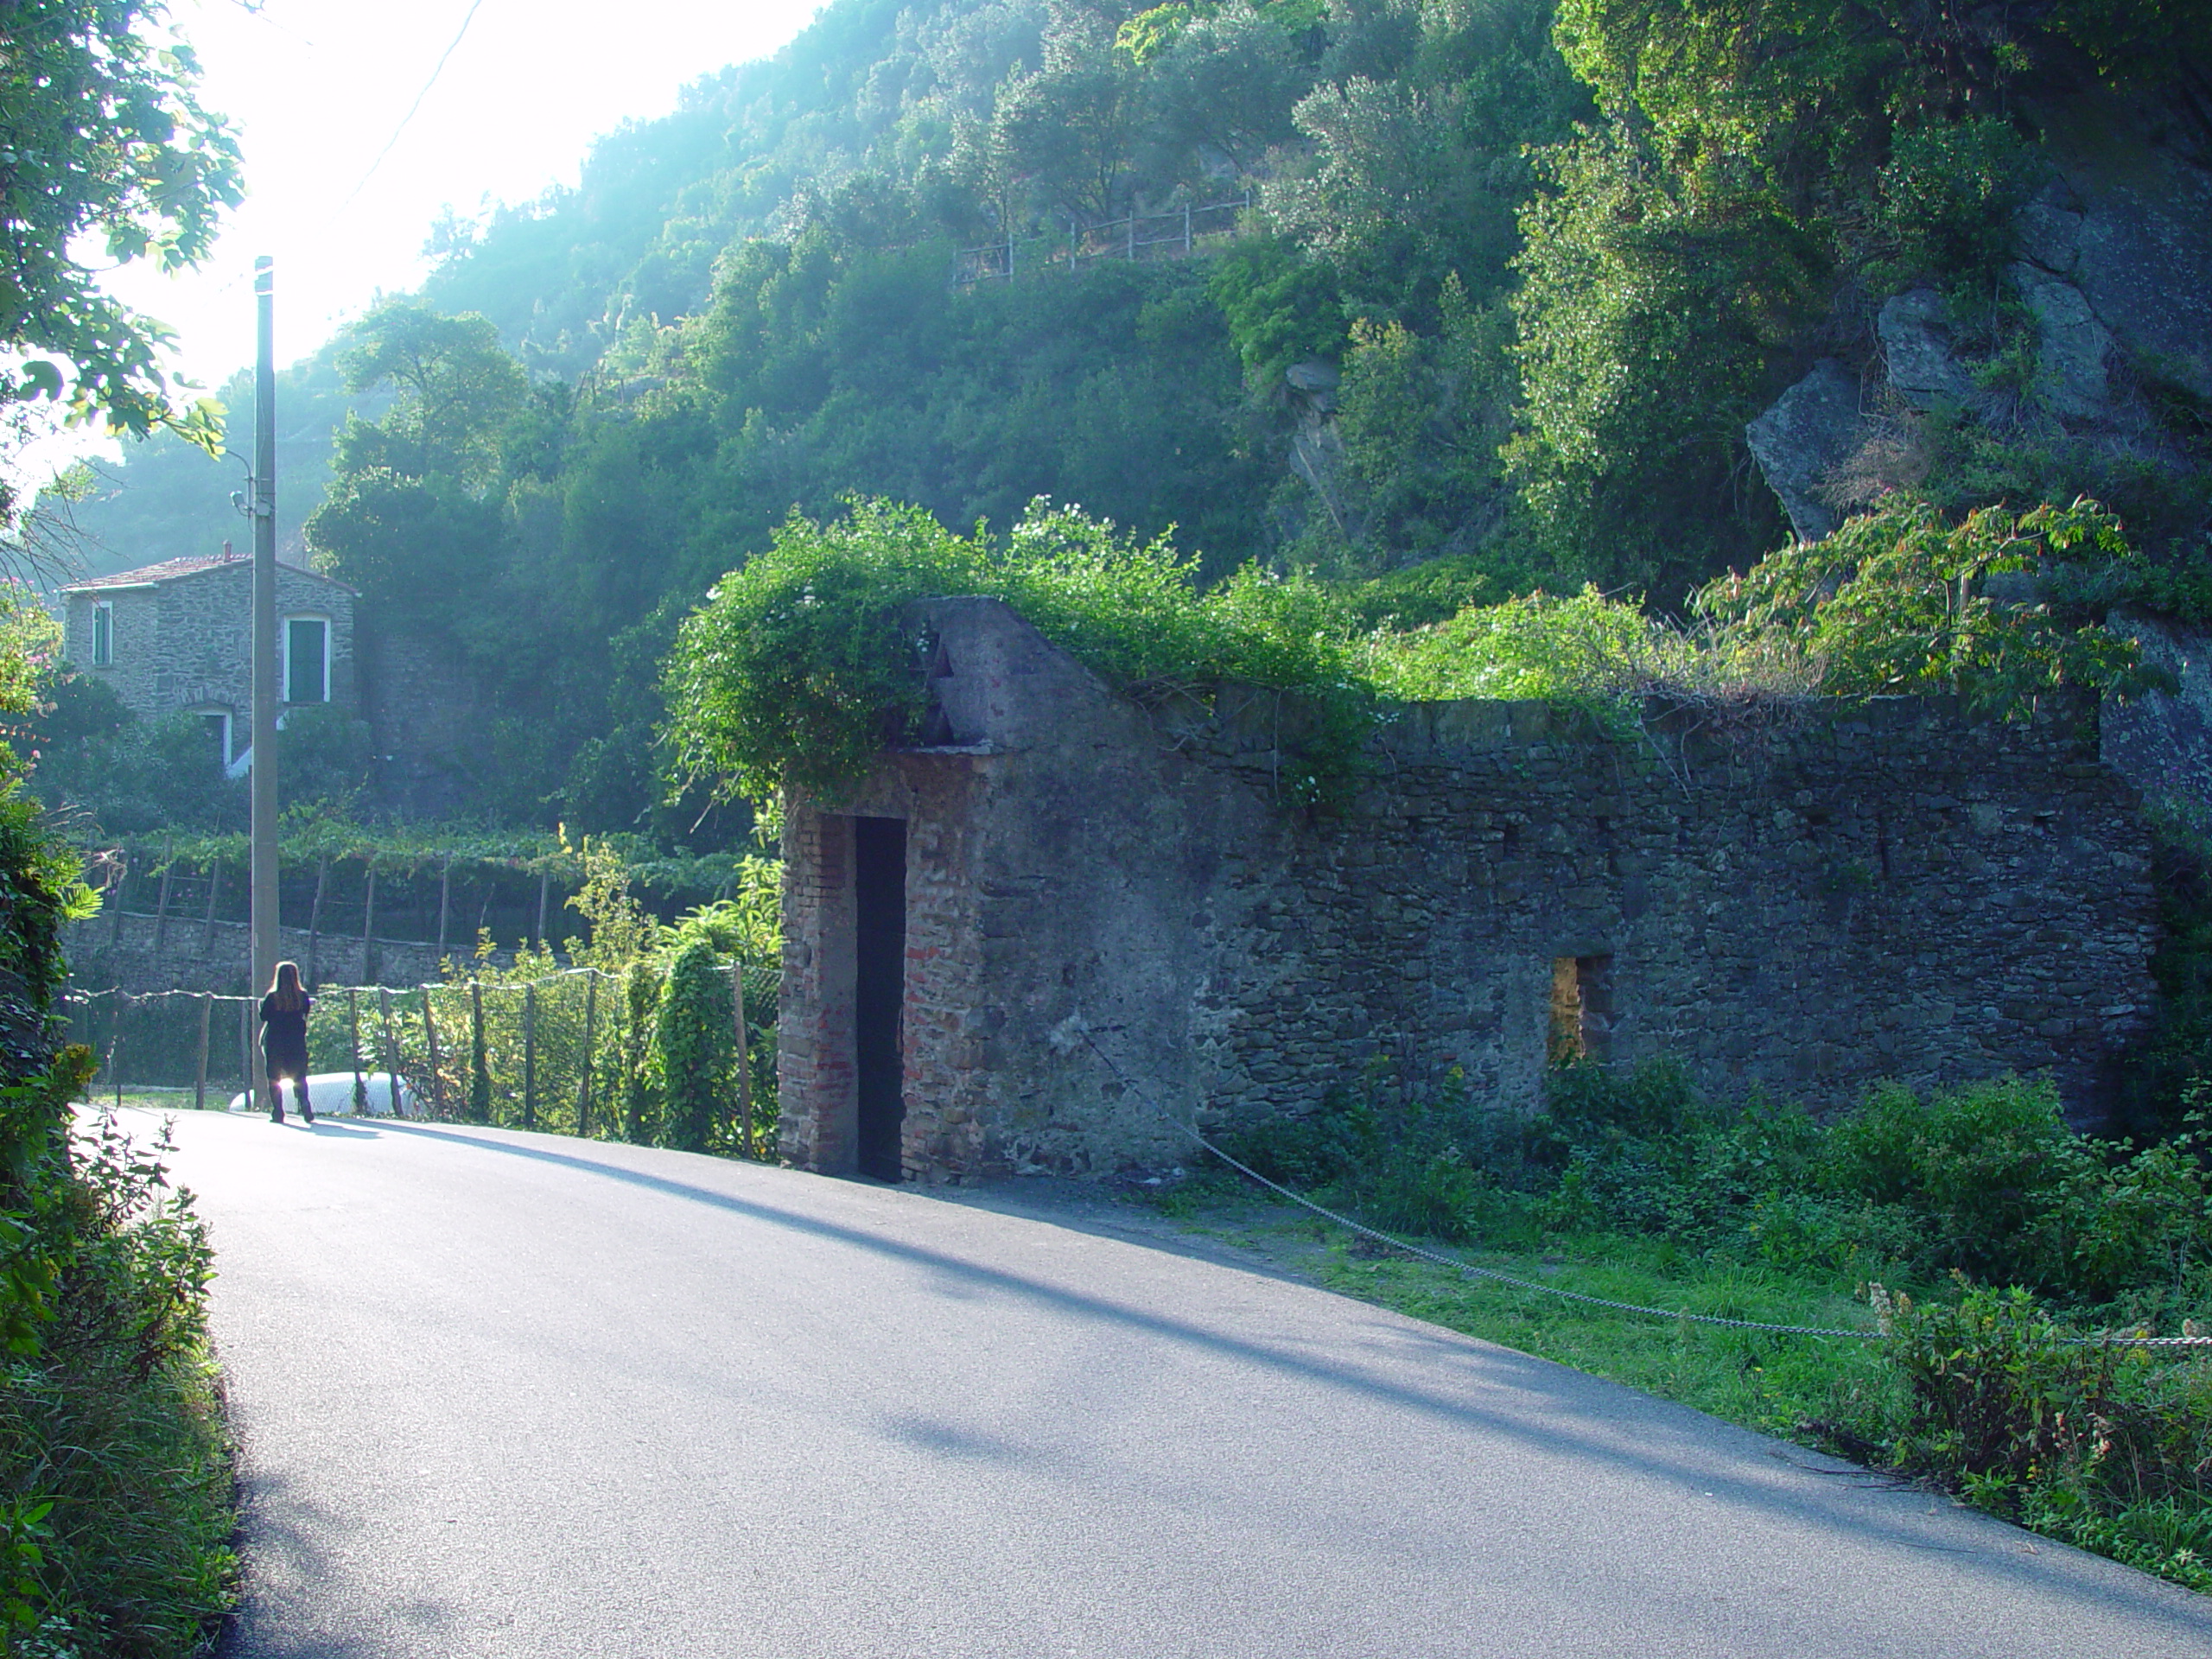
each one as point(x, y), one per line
point(461, 34)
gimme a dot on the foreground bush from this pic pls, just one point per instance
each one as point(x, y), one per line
point(115, 1481)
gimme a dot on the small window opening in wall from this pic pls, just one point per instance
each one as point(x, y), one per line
point(1582, 1009)
point(103, 633)
point(306, 660)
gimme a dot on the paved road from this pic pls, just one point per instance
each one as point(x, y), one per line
point(510, 1396)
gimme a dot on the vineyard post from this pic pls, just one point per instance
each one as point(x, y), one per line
point(430, 1040)
point(353, 1029)
point(122, 881)
point(122, 1001)
point(477, 1062)
point(314, 922)
point(161, 907)
point(530, 1055)
point(445, 907)
point(200, 1080)
point(369, 926)
point(214, 887)
point(591, 1029)
point(744, 1055)
point(390, 1047)
point(544, 884)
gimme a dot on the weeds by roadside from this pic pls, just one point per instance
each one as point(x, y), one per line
point(1985, 1236)
point(115, 1479)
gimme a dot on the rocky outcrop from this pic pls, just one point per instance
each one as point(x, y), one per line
point(2071, 346)
point(1810, 428)
point(1916, 348)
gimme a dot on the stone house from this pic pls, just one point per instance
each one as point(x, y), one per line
point(1802, 903)
point(176, 637)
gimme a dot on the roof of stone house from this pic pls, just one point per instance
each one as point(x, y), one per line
point(147, 575)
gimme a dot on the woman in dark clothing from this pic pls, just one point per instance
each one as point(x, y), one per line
point(284, 1040)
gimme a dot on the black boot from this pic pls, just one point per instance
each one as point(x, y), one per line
point(276, 1112)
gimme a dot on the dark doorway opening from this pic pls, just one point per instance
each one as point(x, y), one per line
point(879, 989)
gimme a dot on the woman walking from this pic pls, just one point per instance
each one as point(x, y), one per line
point(284, 1040)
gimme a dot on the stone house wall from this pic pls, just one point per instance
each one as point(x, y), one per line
point(184, 642)
point(1874, 889)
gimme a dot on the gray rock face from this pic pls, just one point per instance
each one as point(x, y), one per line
point(2070, 344)
point(2050, 236)
point(1918, 348)
point(2161, 741)
point(2140, 247)
point(1808, 430)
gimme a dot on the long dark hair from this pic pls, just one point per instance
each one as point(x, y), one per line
point(285, 991)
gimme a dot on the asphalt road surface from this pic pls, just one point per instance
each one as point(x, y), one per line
point(509, 1395)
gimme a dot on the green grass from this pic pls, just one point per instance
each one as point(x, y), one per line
point(1778, 1384)
point(137, 1543)
point(1837, 1393)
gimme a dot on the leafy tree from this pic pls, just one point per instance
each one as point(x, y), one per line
point(1648, 313)
point(1897, 601)
point(102, 137)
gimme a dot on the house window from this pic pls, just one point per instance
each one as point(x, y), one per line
point(103, 633)
point(306, 660)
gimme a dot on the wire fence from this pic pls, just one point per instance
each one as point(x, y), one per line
point(1173, 234)
point(1468, 1270)
point(570, 1052)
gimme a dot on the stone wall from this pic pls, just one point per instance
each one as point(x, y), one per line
point(140, 953)
point(1877, 889)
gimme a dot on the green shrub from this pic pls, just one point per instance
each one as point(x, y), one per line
point(799, 668)
point(2009, 1408)
point(694, 1046)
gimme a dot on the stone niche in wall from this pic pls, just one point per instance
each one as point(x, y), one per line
point(1863, 890)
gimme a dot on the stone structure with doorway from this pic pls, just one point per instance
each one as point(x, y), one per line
point(1802, 903)
point(175, 638)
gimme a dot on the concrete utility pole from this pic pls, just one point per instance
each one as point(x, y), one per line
point(266, 942)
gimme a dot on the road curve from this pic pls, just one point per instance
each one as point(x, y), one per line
point(509, 1396)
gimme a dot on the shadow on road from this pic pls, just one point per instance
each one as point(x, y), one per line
point(1574, 1403)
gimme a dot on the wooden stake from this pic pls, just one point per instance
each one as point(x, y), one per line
point(476, 1047)
point(369, 928)
point(529, 1056)
point(161, 908)
point(115, 1048)
point(545, 885)
point(354, 1034)
point(314, 922)
point(591, 1029)
point(200, 1081)
point(744, 1056)
point(115, 929)
point(445, 906)
point(214, 887)
point(390, 1047)
point(430, 1038)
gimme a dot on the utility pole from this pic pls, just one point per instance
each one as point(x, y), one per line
point(266, 942)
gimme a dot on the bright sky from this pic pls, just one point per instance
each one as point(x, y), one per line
point(317, 88)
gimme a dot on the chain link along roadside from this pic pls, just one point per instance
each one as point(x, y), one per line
point(1469, 1270)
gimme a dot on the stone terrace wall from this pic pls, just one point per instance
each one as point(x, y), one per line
point(118, 951)
point(1885, 889)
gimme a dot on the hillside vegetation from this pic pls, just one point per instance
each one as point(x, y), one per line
point(1514, 279)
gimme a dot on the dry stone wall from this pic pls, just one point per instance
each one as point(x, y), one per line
point(1869, 890)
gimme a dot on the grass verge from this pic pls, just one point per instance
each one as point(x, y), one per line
point(1849, 1396)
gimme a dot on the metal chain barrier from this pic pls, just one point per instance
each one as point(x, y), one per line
point(1468, 1270)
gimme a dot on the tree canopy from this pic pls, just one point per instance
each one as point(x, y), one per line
point(102, 135)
